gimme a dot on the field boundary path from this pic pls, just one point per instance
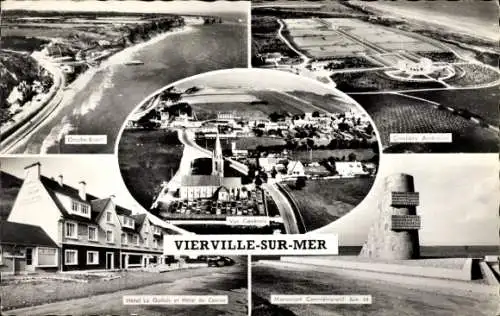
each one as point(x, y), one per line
point(305, 59)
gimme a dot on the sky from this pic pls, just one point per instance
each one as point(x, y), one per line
point(459, 200)
point(181, 7)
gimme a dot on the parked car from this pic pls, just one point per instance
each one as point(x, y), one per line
point(219, 261)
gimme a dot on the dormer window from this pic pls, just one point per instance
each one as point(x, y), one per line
point(79, 208)
point(108, 217)
point(128, 222)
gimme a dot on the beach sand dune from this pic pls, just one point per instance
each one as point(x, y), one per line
point(477, 25)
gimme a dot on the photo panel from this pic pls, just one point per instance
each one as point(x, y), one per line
point(426, 72)
point(422, 242)
point(74, 242)
point(75, 69)
point(249, 151)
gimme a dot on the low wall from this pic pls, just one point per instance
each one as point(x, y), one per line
point(463, 274)
point(488, 274)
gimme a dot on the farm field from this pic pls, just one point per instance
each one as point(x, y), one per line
point(320, 154)
point(327, 102)
point(376, 80)
point(282, 103)
point(393, 113)
point(147, 158)
point(263, 104)
point(480, 102)
point(324, 201)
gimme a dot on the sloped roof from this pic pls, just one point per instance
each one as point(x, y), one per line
point(122, 211)
point(200, 180)
point(23, 234)
point(139, 219)
point(97, 205)
point(231, 182)
point(53, 185)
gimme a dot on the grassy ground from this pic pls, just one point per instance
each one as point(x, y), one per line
point(105, 297)
point(147, 158)
point(324, 201)
point(473, 74)
point(376, 81)
point(399, 114)
point(480, 102)
point(329, 102)
point(47, 291)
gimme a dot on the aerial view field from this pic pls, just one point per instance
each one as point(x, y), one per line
point(365, 49)
point(323, 201)
point(233, 137)
point(397, 113)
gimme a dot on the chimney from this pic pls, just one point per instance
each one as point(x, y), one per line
point(60, 180)
point(32, 171)
point(82, 192)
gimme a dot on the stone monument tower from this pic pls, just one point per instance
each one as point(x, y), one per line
point(394, 236)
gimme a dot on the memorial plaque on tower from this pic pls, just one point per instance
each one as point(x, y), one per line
point(404, 199)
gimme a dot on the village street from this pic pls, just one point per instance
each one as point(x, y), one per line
point(230, 281)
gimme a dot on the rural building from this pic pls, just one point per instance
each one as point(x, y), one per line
point(89, 232)
point(26, 248)
point(295, 168)
point(349, 168)
point(238, 152)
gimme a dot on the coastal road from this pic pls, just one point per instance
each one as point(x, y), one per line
point(31, 126)
point(284, 207)
point(389, 298)
point(230, 281)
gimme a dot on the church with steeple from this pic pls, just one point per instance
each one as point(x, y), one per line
point(213, 186)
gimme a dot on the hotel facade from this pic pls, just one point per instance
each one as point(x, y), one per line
point(79, 230)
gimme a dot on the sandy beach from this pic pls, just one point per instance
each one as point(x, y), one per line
point(463, 25)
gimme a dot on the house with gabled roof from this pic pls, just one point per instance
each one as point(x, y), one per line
point(91, 233)
point(26, 248)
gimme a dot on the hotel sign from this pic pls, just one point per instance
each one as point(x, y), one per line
point(405, 222)
point(404, 199)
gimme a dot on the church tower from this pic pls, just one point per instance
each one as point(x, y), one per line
point(217, 159)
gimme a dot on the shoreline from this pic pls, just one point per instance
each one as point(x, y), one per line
point(83, 79)
point(466, 27)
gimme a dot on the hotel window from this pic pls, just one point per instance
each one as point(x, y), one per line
point(70, 257)
point(74, 206)
point(92, 233)
point(136, 240)
point(85, 209)
point(155, 243)
point(108, 217)
point(146, 242)
point(47, 257)
point(70, 230)
point(109, 236)
point(124, 238)
point(92, 257)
